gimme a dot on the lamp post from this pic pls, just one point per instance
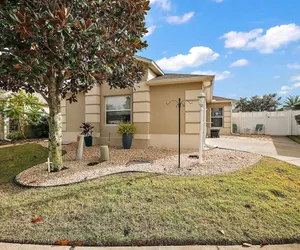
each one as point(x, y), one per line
point(179, 104)
point(202, 102)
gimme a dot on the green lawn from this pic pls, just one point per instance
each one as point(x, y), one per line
point(258, 204)
point(295, 138)
point(15, 159)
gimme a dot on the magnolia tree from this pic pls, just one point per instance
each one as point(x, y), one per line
point(60, 47)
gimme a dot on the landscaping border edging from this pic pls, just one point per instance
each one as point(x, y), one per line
point(78, 182)
point(14, 246)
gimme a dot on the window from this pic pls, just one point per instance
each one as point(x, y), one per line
point(217, 117)
point(117, 109)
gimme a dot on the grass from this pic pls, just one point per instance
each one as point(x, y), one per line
point(295, 138)
point(15, 159)
point(257, 204)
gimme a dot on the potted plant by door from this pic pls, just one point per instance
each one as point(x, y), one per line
point(87, 131)
point(126, 130)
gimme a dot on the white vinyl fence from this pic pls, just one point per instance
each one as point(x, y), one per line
point(275, 123)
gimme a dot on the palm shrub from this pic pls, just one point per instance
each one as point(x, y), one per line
point(291, 101)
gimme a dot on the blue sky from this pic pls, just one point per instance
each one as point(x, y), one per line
point(253, 46)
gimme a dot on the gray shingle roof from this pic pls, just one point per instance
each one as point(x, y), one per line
point(144, 58)
point(220, 98)
point(151, 62)
point(173, 76)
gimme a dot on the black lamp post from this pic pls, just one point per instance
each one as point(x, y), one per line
point(180, 103)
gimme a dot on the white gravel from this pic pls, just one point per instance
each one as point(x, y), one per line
point(216, 161)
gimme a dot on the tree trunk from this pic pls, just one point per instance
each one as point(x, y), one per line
point(55, 128)
point(21, 127)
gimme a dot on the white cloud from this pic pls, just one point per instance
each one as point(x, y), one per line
point(151, 29)
point(219, 75)
point(274, 38)
point(286, 89)
point(295, 78)
point(164, 4)
point(283, 92)
point(239, 63)
point(293, 66)
point(196, 57)
point(276, 77)
point(180, 19)
point(218, 1)
point(239, 40)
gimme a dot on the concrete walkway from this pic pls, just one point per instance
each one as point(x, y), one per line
point(280, 147)
point(7, 246)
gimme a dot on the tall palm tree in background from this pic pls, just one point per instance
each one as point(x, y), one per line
point(291, 101)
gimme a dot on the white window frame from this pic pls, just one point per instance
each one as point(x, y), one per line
point(218, 116)
point(107, 97)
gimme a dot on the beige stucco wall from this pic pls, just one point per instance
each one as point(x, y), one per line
point(164, 118)
point(105, 130)
point(91, 108)
point(150, 75)
point(73, 117)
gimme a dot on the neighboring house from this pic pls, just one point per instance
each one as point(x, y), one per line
point(145, 106)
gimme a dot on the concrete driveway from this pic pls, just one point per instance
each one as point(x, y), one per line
point(280, 147)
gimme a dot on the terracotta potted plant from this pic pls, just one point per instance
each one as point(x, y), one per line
point(127, 131)
point(87, 131)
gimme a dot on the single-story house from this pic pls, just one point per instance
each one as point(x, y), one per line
point(146, 107)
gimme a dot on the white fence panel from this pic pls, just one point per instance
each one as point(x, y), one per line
point(275, 123)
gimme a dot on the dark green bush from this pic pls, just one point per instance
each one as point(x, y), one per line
point(41, 128)
point(297, 117)
point(15, 135)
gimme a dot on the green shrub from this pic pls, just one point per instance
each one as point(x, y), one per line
point(297, 117)
point(15, 135)
point(126, 128)
point(41, 128)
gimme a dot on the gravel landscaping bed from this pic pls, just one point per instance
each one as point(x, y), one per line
point(163, 161)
